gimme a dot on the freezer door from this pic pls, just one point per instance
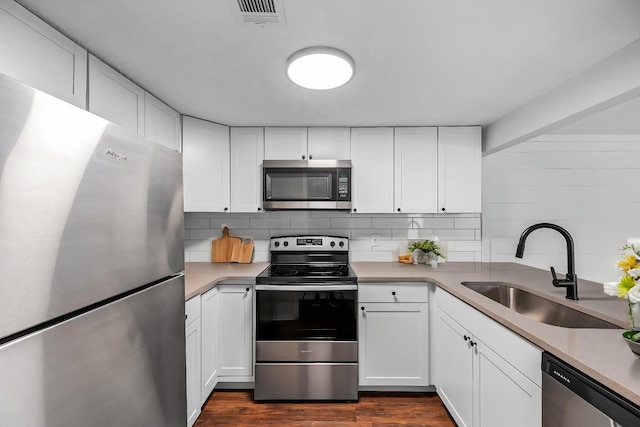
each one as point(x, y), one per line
point(122, 364)
point(88, 210)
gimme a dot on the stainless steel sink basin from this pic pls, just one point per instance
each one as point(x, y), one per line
point(536, 307)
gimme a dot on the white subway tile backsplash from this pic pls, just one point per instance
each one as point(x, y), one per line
point(204, 234)
point(391, 222)
point(459, 234)
point(353, 222)
point(373, 256)
point(466, 223)
point(196, 222)
point(365, 233)
point(200, 256)
point(269, 222)
point(197, 245)
point(310, 223)
point(232, 223)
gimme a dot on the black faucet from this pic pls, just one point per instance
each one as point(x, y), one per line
point(571, 280)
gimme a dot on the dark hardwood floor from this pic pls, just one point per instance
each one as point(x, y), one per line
point(236, 408)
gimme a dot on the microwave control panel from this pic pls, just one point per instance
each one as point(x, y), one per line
point(344, 184)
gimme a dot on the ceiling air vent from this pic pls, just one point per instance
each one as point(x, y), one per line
point(261, 13)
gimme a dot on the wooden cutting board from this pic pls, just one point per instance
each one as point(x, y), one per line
point(243, 253)
point(222, 247)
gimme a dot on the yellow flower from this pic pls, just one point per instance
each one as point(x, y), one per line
point(627, 263)
point(624, 285)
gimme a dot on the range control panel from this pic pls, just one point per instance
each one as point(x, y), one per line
point(309, 243)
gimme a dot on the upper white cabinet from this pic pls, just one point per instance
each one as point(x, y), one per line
point(372, 170)
point(36, 54)
point(285, 143)
point(329, 143)
point(416, 170)
point(459, 169)
point(205, 157)
point(235, 339)
point(162, 123)
point(393, 334)
point(114, 97)
point(488, 376)
point(315, 143)
point(247, 152)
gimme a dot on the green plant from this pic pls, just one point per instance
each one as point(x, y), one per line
point(426, 247)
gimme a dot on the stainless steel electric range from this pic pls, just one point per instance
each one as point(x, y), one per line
point(306, 321)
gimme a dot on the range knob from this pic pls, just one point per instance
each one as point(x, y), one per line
point(341, 244)
point(286, 243)
point(276, 244)
point(333, 244)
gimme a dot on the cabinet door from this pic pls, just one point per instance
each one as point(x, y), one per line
point(416, 170)
point(39, 56)
point(210, 332)
point(205, 159)
point(162, 123)
point(194, 397)
point(114, 97)
point(247, 152)
point(372, 170)
point(503, 397)
point(285, 143)
point(459, 173)
point(329, 143)
point(392, 348)
point(455, 369)
point(235, 342)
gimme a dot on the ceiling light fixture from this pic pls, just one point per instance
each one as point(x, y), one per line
point(320, 68)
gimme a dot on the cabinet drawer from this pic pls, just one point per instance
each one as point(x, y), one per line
point(192, 310)
point(393, 292)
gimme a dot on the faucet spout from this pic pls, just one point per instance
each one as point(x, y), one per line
point(571, 280)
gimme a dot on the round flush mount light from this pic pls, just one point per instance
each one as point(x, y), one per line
point(320, 68)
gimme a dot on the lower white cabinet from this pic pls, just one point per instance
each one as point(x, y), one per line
point(235, 338)
point(209, 348)
point(192, 338)
point(393, 334)
point(487, 375)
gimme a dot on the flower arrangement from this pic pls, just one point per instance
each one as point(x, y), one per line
point(628, 286)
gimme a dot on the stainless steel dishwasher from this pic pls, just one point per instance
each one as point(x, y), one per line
point(572, 399)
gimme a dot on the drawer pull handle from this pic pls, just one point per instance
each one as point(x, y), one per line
point(362, 308)
point(466, 338)
point(393, 293)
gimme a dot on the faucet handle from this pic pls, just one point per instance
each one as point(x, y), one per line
point(556, 282)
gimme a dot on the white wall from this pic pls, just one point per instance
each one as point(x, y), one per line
point(459, 234)
point(589, 185)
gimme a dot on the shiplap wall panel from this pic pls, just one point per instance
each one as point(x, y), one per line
point(586, 184)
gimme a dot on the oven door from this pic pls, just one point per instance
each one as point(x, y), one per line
point(318, 312)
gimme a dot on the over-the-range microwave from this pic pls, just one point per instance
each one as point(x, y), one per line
point(307, 184)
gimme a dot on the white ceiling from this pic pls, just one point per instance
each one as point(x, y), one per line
point(418, 62)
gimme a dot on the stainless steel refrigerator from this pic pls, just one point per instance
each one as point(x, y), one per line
point(91, 261)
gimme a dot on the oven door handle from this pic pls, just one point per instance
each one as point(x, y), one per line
point(316, 287)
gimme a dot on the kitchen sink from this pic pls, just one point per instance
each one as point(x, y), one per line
point(536, 307)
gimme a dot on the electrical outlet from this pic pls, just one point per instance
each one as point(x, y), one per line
point(375, 240)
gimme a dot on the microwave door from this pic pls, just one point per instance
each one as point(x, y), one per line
point(300, 185)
